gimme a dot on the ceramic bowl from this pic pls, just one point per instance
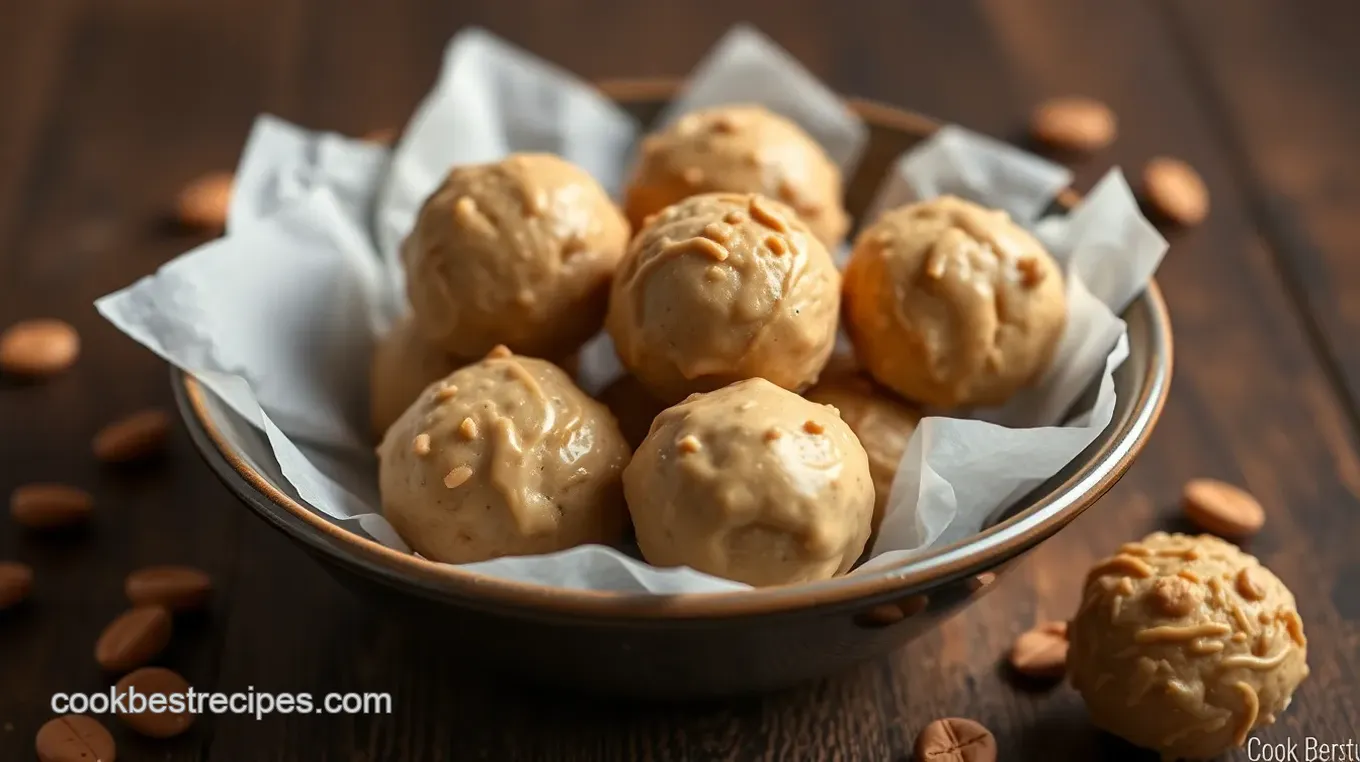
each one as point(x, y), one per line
point(708, 645)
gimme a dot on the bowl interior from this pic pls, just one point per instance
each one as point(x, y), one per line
point(241, 455)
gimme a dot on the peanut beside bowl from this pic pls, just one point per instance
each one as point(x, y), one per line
point(702, 645)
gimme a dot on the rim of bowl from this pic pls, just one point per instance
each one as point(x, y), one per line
point(972, 555)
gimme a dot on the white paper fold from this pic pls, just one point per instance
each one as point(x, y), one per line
point(279, 317)
point(282, 162)
point(972, 166)
point(283, 304)
point(493, 99)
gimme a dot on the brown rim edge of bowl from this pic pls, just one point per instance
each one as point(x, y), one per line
point(996, 544)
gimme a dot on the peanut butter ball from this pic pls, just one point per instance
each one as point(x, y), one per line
point(882, 423)
point(1185, 645)
point(404, 363)
point(519, 252)
point(753, 483)
point(739, 149)
point(504, 457)
point(723, 287)
point(953, 305)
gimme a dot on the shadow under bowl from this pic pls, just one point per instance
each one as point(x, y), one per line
point(702, 645)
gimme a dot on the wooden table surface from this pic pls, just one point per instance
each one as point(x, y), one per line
point(108, 106)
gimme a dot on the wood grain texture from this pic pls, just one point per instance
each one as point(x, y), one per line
point(100, 147)
point(1278, 82)
point(112, 105)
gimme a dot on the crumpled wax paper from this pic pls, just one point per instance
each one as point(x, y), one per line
point(279, 317)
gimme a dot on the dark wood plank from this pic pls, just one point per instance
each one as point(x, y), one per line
point(96, 104)
point(155, 91)
point(32, 61)
point(1279, 79)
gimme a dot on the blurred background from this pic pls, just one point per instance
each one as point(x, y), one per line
point(109, 107)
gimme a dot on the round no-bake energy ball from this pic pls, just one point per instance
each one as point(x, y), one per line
point(1185, 645)
point(519, 252)
point(739, 149)
point(753, 483)
point(723, 287)
point(504, 457)
point(404, 363)
point(882, 423)
point(953, 305)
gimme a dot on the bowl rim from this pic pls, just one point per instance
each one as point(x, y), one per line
point(971, 555)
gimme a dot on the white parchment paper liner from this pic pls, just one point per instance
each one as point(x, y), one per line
point(279, 317)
